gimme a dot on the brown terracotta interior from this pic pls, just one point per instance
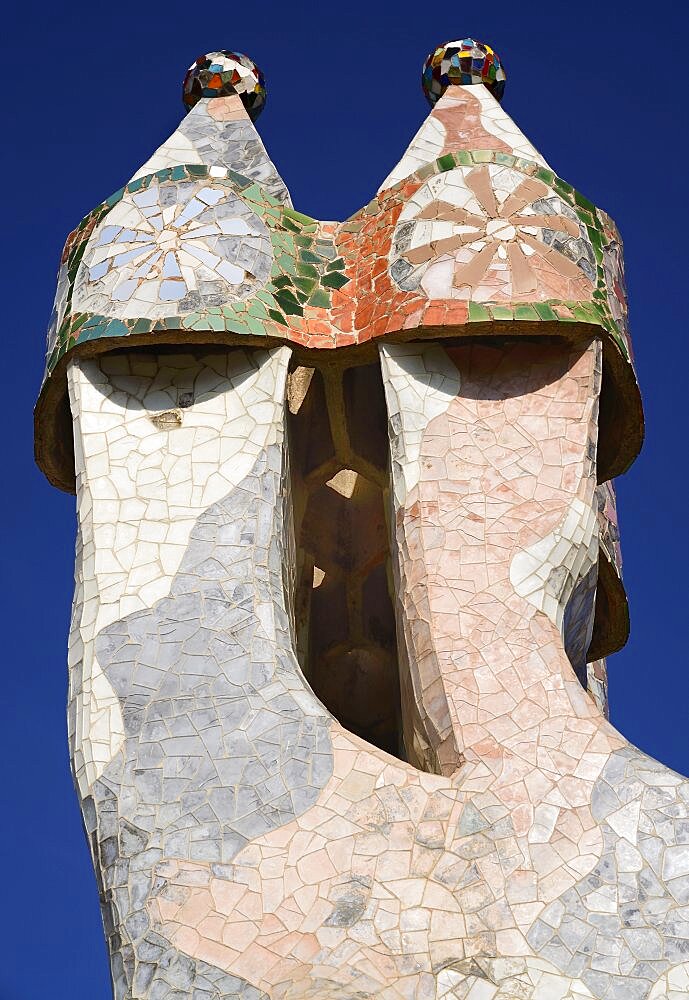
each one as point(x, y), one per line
point(344, 611)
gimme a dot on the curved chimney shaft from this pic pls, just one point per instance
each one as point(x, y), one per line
point(494, 500)
point(347, 571)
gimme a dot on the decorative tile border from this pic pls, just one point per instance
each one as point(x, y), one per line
point(317, 278)
point(330, 286)
point(305, 271)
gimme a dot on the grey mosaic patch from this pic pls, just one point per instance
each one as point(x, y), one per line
point(235, 145)
point(471, 821)
point(405, 275)
point(350, 900)
point(577, 624)
point(627, 922)
point(224, 741)
point(577, 249)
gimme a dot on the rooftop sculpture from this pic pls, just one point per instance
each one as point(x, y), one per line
point(347, 569)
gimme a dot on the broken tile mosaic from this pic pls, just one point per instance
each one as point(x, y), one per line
point(220, 74)
point(348, 568)
point(461, 63)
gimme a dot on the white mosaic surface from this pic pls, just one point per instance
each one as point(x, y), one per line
point(419, 385)
point(496, 121)
point(509, 979)
point(546, 572)
point(432, 138)
point(674, 985)
point(426, 146)
point(141, 489)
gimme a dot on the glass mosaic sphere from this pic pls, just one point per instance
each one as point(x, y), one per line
point(218, 74)
point(462, 62)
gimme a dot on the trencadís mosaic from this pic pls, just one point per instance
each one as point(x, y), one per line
point(348, 568)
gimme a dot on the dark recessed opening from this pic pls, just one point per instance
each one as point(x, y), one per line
point(345, 619)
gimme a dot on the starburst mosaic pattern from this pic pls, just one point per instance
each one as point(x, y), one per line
point(174, 245)
point(491, 234)
point(470, 227)
point(462, 63)
point(219, 74)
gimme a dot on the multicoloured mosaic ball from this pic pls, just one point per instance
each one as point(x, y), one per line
point(218, 74)
point(462, 62)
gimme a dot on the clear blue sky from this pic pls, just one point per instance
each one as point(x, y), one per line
point(90, 90)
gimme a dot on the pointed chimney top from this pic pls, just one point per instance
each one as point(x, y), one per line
point(462, 62)
point(219, 74)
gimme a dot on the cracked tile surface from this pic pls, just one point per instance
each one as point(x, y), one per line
point(247, 522)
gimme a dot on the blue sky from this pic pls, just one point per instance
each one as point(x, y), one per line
point(90, 90)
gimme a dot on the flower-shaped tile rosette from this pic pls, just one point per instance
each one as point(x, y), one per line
point(492, 234)
point(173, 248)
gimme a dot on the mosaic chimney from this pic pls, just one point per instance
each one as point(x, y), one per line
point(348, 569)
